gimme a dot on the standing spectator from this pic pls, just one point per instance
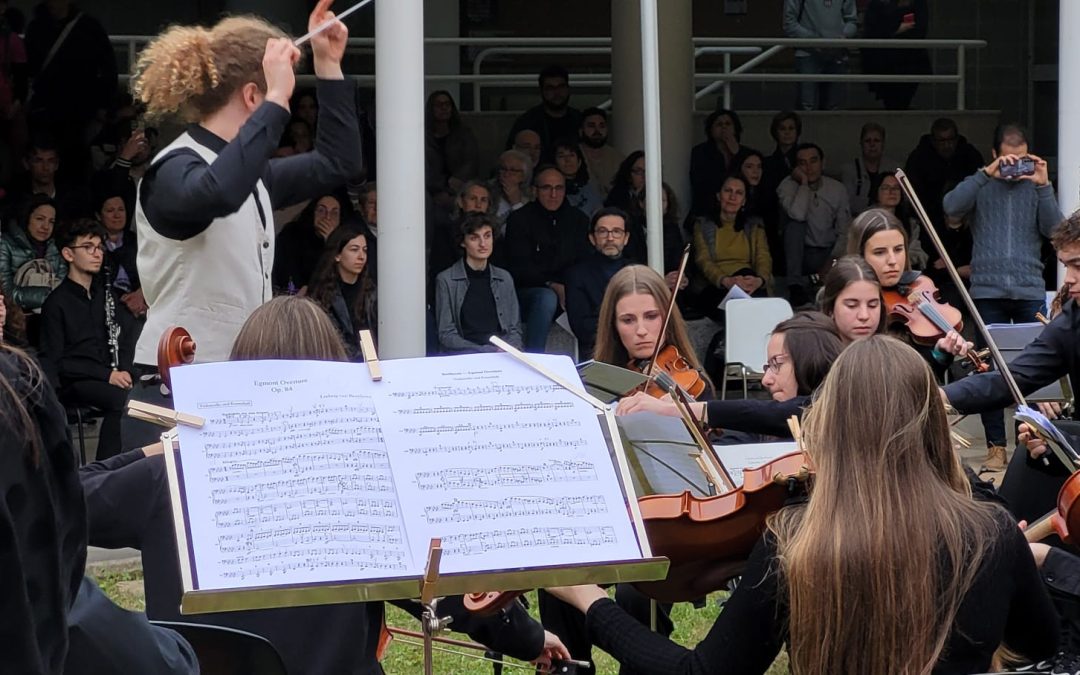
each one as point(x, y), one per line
point(513, 185)
point(714, 158)
point(74, 79)
point(602, 158)
point(579, 189)
point(731, 250)
point(942, 159)
point(1011, 215)
point(863, 171)
point(474, 299)
point(786, 130)
point(829, 19)
point(451, 149)
point(553, 118)
point(300, 244)
point(543, 239)
point(344, 286)
point(30, 263)
point(588, 279)
point(896, 19)
point(816, 214)
point(76, 352)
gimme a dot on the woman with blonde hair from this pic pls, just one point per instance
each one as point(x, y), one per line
point(890, 566)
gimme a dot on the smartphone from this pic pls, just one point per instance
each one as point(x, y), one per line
point(909, 18)
point(1025, 166)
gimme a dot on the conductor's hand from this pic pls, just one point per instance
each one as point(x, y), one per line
point(328, 46)
point(279, 60)
point(120, 378)
point(580, 597)
point(642, 402)
point(1035, 445)
point(553, 649)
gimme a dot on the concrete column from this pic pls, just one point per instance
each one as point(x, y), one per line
point(442, 18)
point(1068, 155)
point(675, 94)
point(399, 99)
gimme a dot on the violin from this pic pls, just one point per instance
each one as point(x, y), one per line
point(918, 307)
point(175, 347)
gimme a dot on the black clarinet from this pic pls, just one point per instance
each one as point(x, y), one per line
point(111, 326)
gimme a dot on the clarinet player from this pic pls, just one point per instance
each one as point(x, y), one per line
point(82, 349)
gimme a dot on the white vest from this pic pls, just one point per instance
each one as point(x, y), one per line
point(209, 284)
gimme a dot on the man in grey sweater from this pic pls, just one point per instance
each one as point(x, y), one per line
point(1012, 214)
point(835, 19)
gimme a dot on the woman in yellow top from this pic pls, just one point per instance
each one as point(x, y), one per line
point(732, 250)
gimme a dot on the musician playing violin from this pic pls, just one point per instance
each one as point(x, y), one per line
point(851, 296)
point(632, 318)
point(890, 566)
point(881, 239)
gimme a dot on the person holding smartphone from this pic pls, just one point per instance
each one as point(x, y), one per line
point(896, 20)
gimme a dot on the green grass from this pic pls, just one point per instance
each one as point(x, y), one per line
point(124, 585)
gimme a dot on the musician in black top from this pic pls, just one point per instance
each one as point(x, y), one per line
point(83, 347)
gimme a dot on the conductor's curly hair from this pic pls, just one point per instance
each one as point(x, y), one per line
point(191, 71)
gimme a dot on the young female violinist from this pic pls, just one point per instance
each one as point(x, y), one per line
point(890, 566)
point(799, 354)
point(881, 239)
point(629, 325)
point(851, 295)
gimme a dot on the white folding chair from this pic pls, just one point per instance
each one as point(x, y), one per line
point(748, 323)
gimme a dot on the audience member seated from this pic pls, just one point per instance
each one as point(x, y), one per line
point(474, 196)
point(451, 150)
point(305, 106)
point(297, 139)
point(675, 242)
point(731, 250)
point(603, 160)
point(553, 118)
point(543, 239)
point(714, 158)
point(85, 351)
point(300, 245)
point(513, 186)
point(759, 201)
point(30, 263)
point(628, 193)
point(786, 130)
point(886, 194)
point(367, 205)
point(587, 280)
point(528, 143)
point(121, 249)
point(579, 188)
point(474, 299)
point(128, 505)
point(942, 159)
point(815, 215)
point(344, 286)
point(41, 163)
point(862, 172)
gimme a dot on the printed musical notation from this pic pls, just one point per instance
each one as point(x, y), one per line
point(510, 475)
point(474, 510)
point(514, 539)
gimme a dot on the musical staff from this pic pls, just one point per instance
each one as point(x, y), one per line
point(478, 543)
point(473, 510)
point(509, 475)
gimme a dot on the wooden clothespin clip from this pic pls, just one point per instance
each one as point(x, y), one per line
point(371, 357)
point(431, 573)
point(156, 414)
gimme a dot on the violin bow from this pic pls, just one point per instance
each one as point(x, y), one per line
point(1003, 368)
point(715, 466)
point(670, 308)
point(461, 644)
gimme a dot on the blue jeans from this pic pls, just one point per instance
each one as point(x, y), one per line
point(538, 307)
point(1003, 311)
point(818, 95)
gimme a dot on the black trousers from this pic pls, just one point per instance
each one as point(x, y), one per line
point(569, 624)
point(109, 399)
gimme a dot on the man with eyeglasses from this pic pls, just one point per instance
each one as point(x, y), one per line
point(75, 349)
point(587, 280)
point(543, 239)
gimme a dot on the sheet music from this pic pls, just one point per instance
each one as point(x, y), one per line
point(507, 467)
point(751, 455)
point(289, 481)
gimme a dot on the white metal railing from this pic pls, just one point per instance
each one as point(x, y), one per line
point(760, 50)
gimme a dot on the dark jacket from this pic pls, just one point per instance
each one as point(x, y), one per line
point(15, 252)
point(550, 129)
point(585, 285)
point(450, 288)
point(541, 245)
point(124, 258)
point(74, 339)
point(708, 169)
point(128, 505)
point(296, 254)
point(43, 520)
point(347, 327)
point(932, 176)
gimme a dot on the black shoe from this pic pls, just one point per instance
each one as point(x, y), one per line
point(1067, 660)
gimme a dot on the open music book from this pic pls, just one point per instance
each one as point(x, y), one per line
point(1056, 440)
point(310, 476)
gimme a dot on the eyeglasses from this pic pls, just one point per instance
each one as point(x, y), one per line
point(90, 248)
point(604, 233)
point(774, 364)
